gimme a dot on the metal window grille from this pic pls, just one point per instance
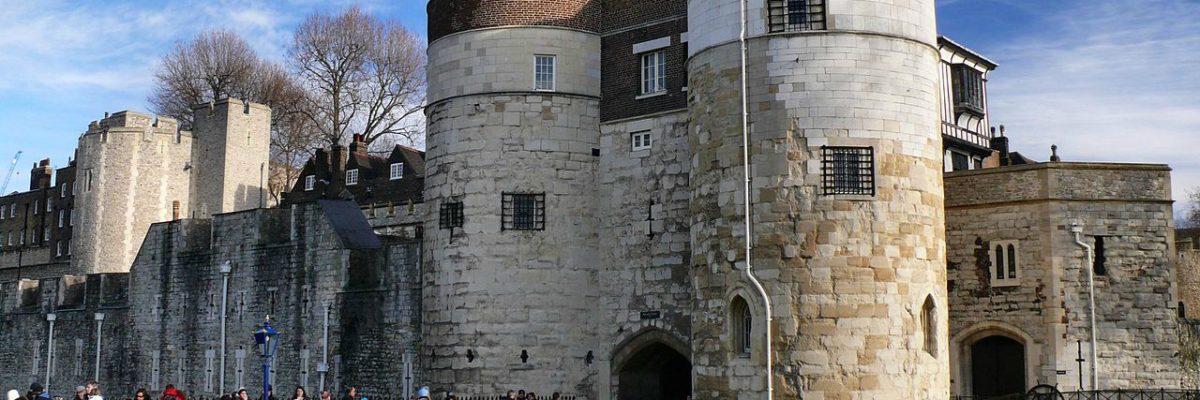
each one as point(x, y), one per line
point(451, 215)
point(524, 211)
point(848, 170)
point(796, 15)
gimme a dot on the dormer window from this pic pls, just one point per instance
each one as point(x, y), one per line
point(396, 171)
point(352, 177)
point(968, 89)
point(310, 182)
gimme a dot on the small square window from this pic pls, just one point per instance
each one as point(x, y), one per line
point(848, 170)
point(396, 171)
point(543, 72)
point(523, 211)
point(654, 72)
point(352, 177)
point(451, 215)
point(640, 140)
point(310, 182)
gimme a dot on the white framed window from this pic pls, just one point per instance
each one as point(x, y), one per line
point(21, 240)
point(37, 204)
point(1006, 263)
point(640, 140)
point(396, 171)
point(58, 249)
point(2, 212)
point(310, 181)
point(543, 72)
point(46, 234)
point(352, 177)
point(62, 215)
point(64, 190)
point(12, 211)
point(654, 72)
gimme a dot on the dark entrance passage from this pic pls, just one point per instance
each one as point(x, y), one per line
point(997, 367)
point(656, 372)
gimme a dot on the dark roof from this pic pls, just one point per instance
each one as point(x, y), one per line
point(350, 224)
point(1018, 159)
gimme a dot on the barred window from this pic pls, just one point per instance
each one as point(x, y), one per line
point(968, 89)
point(524, 211)
point(796, 15)
point(848, 170)
point(451, 215)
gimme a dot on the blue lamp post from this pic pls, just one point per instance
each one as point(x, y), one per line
point(267, 340)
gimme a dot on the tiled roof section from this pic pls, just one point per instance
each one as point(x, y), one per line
point(374, 186)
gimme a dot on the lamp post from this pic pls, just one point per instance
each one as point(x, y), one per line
point(226, 268)
point(267, 340)
point(50, 349)
point(99, 323)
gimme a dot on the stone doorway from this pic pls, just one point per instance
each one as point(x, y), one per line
point(997, 367)
point(656, 372)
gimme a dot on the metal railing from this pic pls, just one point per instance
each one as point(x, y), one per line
point(1117, 394)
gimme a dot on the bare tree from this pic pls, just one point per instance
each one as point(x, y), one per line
point(361, 75)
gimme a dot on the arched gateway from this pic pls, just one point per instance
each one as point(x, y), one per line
point(652, 365)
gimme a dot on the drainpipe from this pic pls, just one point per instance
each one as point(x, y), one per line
point(323, 368)
point(1078, 231)
point(50, 350)
point(225, 269)
point(99, 323)
point(746, 202)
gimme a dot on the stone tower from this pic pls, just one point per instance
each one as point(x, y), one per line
point(131, 168)
point(230, 157)
point(846, 199)
point(513, 120)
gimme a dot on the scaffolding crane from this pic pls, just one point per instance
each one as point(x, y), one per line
point(12, 168)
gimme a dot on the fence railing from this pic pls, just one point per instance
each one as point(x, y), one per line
point(1117, 394)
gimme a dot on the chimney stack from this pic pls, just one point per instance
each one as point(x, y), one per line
point(337, 169)
point(39, 177)
point(1000, 145)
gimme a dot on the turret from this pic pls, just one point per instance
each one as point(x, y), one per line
point(847, 225)
point(229, 163)
point(513, 117)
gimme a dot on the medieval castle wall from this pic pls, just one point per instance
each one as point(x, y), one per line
point(1128, 208)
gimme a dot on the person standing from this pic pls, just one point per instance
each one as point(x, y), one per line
point(298, 394)
point(351, 392)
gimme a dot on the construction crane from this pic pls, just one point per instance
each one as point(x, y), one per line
point(12, 168)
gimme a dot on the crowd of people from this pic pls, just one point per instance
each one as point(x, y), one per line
point(91, 391)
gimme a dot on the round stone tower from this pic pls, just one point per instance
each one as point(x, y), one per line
point(846, 199)
point(510, 244)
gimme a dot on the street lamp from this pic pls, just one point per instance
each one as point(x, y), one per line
point(267, 340)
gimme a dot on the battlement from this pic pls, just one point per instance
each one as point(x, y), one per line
point(134, 119)
point(226, 104)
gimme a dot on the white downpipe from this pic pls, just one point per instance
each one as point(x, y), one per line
point(746, 203)
point(99, 332)
point(1078, 230)
point(50, 350)
point(226, 268)
point(324, 351)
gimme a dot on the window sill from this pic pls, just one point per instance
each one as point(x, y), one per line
point(849, 197)
point(649, 95)
point(1009, 282)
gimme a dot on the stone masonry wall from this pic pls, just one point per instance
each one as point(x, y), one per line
point(130, 171)
point(1129, 207)
point(848, 275)
point(229, 159)
point(644, 217)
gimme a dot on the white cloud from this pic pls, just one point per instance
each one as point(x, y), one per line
point(1115, 81)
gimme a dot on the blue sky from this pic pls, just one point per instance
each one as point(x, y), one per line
point(1105, 80)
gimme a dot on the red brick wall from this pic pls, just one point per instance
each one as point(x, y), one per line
point(450, 16)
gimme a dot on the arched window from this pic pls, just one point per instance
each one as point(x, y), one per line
point(999, 262)
point(1012, 261)
point(929, 323)
point(741, 326)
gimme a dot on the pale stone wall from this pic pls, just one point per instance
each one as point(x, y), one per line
point(230, 157)
point(137, 169)
point(644, 239)
point(501, 60)
point(1188, 276)
point(1035, 205)
point(847, 275)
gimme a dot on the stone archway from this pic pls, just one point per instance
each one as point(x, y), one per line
point(656, 372)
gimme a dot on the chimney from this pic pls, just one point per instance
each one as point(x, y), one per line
point(359, 146)
point(1000, 145)
point(337, 170)
point(39, 177)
